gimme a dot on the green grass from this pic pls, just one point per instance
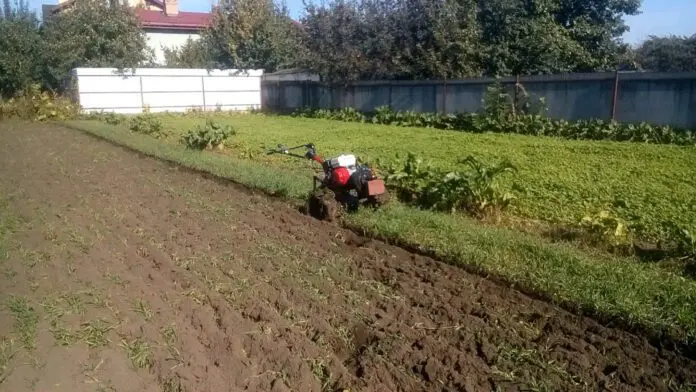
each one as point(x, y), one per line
point(7, 352)
point(26, 320)
point(139, 353)
point(636, 294)
point(563, 180)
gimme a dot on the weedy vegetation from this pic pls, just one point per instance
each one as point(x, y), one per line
point(26, 320)
point(521, 114)
point(474, 191)
point(147, 124)
point(139, 353)
point(211, 135)
point(33, 104)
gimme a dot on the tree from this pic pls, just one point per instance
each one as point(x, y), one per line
point(552, 36)
point(252, 34)
point(597, 25)
point(193, 54)
point(93, 33)
point(668, 54)
point(338, 44)
point(391, 39)
point(20, 48)
point(424, 39)
point(437, 39)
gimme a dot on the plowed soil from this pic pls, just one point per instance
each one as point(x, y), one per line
point(124, 273)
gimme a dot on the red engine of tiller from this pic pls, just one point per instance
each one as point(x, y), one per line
point(342, 174)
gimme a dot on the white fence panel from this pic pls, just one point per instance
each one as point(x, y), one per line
point(165, 89)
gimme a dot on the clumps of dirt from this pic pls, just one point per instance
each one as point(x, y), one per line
point(209, 287)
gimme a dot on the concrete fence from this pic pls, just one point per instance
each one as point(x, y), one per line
point(165, 89)
point(658, 98)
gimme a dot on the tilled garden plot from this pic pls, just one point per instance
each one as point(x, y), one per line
point(125, 273)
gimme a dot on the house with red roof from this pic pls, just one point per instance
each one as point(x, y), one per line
point(165, 26)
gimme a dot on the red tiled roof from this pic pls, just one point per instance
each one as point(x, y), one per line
point(182, 21)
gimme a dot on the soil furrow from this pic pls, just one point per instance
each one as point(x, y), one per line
point(147, 277)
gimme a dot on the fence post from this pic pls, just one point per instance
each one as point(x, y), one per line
point(390, 96)
point(615, 96)
point(277, 103)
point(515, 98)
point(142, 95)
point(203, 90)
point(444, 96)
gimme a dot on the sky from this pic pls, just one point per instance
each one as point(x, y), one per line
point(658, 17)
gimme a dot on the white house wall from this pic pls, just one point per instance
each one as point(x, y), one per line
point(166, 89)
point(171, 40)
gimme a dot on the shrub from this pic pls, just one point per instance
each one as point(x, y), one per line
point(474, 191)
point(147, 124)
point(113, 118)
point(211, 135)
point(33, 104)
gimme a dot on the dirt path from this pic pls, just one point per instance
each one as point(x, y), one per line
point(124, 273)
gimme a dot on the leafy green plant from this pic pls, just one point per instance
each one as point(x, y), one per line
point(409, 179)
point(497, 103)
point(383, 115)
point(474, 191)
point(211, 135)
point(113, 118)
point(147, 124)
point(348, 115)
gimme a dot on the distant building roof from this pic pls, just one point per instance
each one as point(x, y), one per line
point(151, 19)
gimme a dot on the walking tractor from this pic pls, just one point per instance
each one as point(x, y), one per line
point(343, 183)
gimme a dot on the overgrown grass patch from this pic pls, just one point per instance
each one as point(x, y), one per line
point(26, 320)
point(636, 294)
point(139, 353)
point(562, 181)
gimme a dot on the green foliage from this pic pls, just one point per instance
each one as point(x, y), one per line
point(110, 118)
point(520, 114)
point(93, 33)
point(425, 39)
point(36, 105)
point(387, 39)
point(668, 54)
point(193, 54)
point(89, 33)
point(113, 118)
point(21, 51)
point(211, 135)
point(252, 34)
point(147, 124)
point(474, 191)
point(344, 114)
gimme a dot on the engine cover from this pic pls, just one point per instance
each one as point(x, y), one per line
point(345, 160)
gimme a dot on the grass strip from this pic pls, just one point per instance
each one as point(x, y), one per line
point(638, 296)
point(562, 180)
